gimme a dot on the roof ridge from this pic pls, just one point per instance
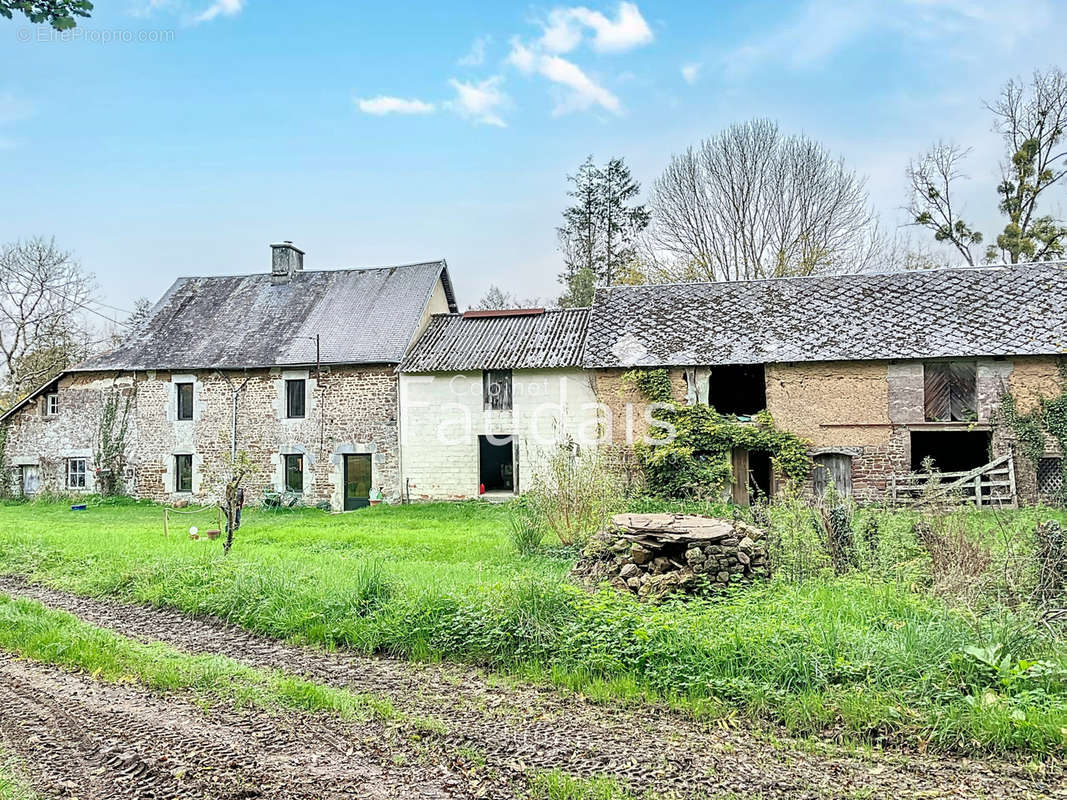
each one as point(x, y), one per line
point(330, 270)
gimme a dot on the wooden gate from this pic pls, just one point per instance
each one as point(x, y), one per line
point(990, 485)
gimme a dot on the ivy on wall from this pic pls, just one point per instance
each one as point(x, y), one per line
point(1031, 430)
point(697, 461)
point(5, 475)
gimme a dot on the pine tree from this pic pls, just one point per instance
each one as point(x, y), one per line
point(599, 232)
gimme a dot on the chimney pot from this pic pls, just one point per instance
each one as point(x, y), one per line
point(286, 260)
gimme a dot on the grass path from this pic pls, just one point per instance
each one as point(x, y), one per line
point(501, 736)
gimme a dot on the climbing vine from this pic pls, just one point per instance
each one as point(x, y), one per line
point(1031, 430)
point(697, 460)
point(5, 477)
point(111, 433)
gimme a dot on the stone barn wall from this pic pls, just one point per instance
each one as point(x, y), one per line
point(865, 410)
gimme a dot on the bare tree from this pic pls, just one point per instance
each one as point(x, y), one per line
point(42, 292)
point(753, 203)
point(1032, 121)
point(932, 177)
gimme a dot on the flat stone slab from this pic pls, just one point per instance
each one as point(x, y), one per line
point(680, 528)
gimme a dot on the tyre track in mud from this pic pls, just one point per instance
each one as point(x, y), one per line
point(516, 730)
point(84, 739)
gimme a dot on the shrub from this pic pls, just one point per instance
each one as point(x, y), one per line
point(1051, 562)
point(572, 496)
point(524, 529)
point(959, 565)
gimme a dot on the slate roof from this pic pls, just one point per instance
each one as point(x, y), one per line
point(363, 316)
point(953, 312)
point(453, 342)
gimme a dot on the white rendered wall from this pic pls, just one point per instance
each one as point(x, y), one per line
point(442, 416)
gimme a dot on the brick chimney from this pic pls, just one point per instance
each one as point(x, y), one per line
point(285, 261)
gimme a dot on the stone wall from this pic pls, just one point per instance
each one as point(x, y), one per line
point(37, 440)
point(626, 406)
point(352, 410)
point(865, 410)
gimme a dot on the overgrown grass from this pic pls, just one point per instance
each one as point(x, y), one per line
point(54, 637)
point(871, 653)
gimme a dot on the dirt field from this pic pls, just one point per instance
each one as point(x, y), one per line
point(84, 739)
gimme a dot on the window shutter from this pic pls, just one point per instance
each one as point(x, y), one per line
point(963, 377)
point(937, 392)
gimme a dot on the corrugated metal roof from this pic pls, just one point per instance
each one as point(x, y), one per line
point(453, 343)
point(362, 316)
point(941, 313)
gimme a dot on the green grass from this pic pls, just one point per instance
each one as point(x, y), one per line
point(35, 632)
point(555, 785)
point(13, 782)
point(873, 653)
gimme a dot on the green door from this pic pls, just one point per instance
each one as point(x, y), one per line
point(357, 481)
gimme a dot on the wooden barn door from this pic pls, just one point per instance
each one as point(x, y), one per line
point(739, 491)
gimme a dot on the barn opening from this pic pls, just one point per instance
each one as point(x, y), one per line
point(496, 459)
point(739, 390)
point(753, 476)
point(951, 451)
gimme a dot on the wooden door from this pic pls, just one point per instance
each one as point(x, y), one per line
point(835, 468)
point(357, 481)
point(739, 464)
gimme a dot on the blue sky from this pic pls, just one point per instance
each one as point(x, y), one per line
point(375, 133)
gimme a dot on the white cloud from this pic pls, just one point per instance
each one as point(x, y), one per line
point(561, 33)
point(479, 101)
point(475, 57)
point(220, 8)
point(627, 31)
point(583, 92)
point(690, 73)
point(563, 30)
point(383, 104)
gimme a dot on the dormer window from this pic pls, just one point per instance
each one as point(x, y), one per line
point(51, 404)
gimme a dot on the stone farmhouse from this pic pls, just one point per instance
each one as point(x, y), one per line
point(342, 384)
point(298, 369)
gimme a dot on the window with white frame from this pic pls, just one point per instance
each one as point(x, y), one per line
point(76, 473)
point(51, 404)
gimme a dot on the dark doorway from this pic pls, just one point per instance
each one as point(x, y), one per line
point(738, 390)
point(496, 459)
point(951, 451)
point(753, 476)
point(357, 481)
